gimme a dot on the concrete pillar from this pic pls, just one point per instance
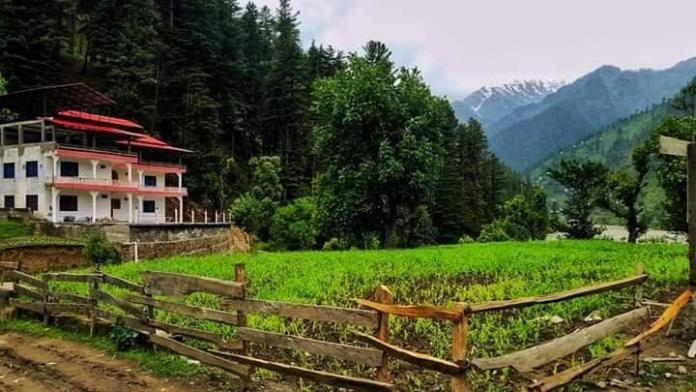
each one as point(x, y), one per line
point(180, 180)
point(176, 216)
point(138, 209)
point(55, 193)
point(2, 136)
point(56, 160)
point(20, 135)
point(94, 206)
point(43, 131)
point(181, 210)
point(95, 163)
point(130, 208)
point(193, 216)
point(205, 216)
point(130, 173)
point(140, 178)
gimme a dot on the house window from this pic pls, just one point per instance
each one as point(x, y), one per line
point(150, 181)
point(69, 169)
point(31, 169)
point(9, 201)
point(68, 203)
point(32, 202)
point(115, 204)
point(148, 206)
point(114, 175)
point(8, 170)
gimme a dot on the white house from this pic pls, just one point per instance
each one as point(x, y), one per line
point(84, 167)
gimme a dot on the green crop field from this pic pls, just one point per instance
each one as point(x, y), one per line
point(441, 275)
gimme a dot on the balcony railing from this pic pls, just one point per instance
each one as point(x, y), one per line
point(173, 190)
point(99, 182)
point(99, 150)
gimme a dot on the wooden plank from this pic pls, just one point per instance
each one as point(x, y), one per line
point(186, 310)
point(127, 307)
point(526, 360)
point(327, 314)
point(127, 321)
point(172, 329)
point(558, 297)
point(202, 356)
point(360, 355)
point(68, 277)
point(13, 265)
point(418, 311)
point(69, 297)
point(316, 375)
point(665, 319)
point(164, 283)
point(567, 376)
point(36, 307)
point(383, 296)
point(673, 146)
point(422, 360)
point(25, 291)
point(458, 383)
point(28, 279)
point(122, 283)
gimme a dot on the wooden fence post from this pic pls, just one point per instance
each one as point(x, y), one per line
point(384, 296)
point(240, 277)
point(44, 294)
point(640, 270)
point(93, 288)
point(459, 350)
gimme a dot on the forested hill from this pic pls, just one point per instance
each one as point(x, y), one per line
point(531, 133)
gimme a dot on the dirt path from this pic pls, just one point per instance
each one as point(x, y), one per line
point(29, 364)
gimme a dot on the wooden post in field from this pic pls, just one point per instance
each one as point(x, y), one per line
point(44, 294)
point(459, 349)
point(640, 270)
point(384, 296)
point(682, 148)
point(93, 287)
point(240, 277)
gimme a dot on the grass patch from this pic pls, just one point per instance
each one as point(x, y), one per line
point(11, 229)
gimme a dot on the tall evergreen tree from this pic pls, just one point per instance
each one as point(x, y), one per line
point(32, 37)
point(287, 129)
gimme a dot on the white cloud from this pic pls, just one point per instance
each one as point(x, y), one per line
point(463, 44)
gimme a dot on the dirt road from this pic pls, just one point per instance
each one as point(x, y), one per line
point(30, 364)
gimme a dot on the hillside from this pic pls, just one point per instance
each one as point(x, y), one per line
point(575, 112)
point(613, 147)
point(491, 103)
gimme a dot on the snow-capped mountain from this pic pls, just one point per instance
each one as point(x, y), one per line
point(491, 103)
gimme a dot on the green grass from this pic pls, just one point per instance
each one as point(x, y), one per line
point(440, 275)
point(12, 229)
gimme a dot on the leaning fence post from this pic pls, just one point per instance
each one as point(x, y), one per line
point(44, 294)
point(640, 270)
point(94, 287)
point(384, 296)
point(459, 349)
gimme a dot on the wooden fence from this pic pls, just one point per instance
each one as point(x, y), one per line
point(162, 291)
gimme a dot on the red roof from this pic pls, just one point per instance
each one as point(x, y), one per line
point(79, 126)
point(153, 146)
point(99, 119)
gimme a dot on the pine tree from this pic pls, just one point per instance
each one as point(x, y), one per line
point(287, 130)
point(123, 41)
point(32, 37)
point(473, 147)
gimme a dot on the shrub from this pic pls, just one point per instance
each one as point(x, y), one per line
point(99, 251)
point(335, 244)
point(494, 232)
point(465, 239)
point(295, 226)
point(124, 338)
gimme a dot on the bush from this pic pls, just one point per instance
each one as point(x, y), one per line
point(250, 214)
point(295, 226)
point(494, 232)
point(124, 338)
point(335, 244)
point(465, 239)
point(99, 251)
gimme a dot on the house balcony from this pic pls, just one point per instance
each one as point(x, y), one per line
point(116, 157)
point(166, 191)
point(93, 184)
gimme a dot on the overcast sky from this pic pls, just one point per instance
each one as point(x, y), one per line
point(461, 45)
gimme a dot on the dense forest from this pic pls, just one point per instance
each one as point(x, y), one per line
point(351, 148)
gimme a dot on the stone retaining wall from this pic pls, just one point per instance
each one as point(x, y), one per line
point(192, 246)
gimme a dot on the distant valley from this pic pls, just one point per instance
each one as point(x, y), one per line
point(528, 122)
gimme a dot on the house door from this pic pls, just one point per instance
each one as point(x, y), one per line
point(115, 205)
